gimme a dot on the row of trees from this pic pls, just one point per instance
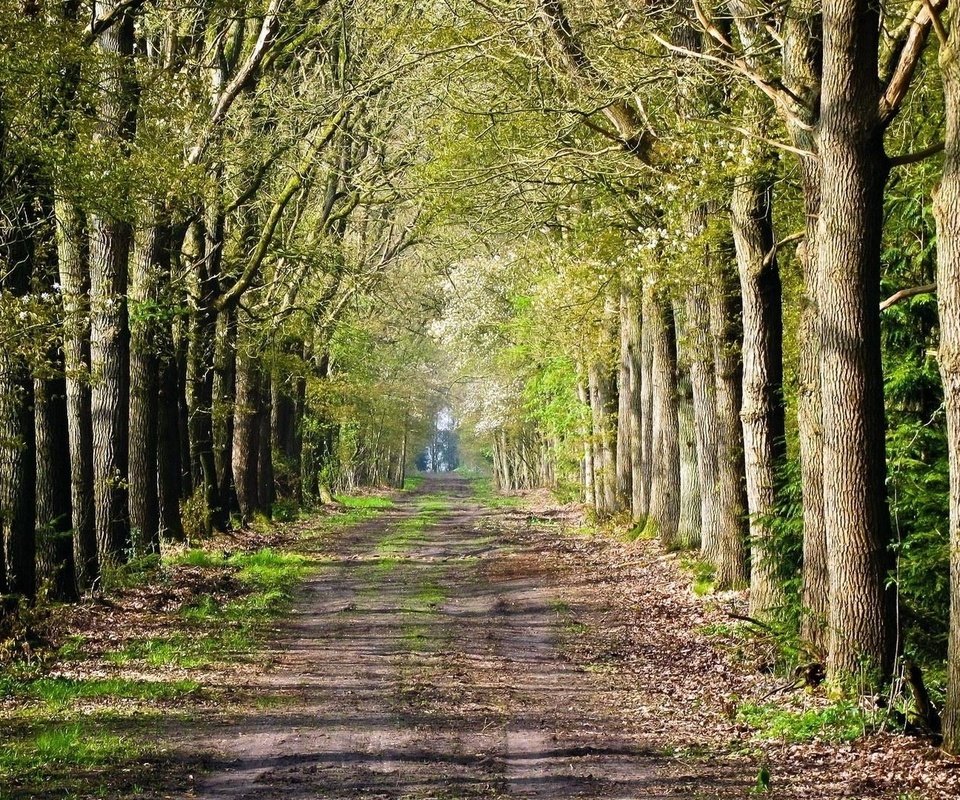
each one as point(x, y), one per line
point(692, 306)
point(200, 203)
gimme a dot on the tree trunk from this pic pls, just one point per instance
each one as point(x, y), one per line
point(74, 286)
point(762, 411)
point(110, 239)
point(946, 208)
point(731, 497)
point(605, 462)
point(246, 435)
point(635, 419)
point(224, 396)
point(853, 175)
point(688, 530)
point(664, 516)
point(707, 424)
point(628, 336)
point(151, 262)
point(17, 451)
point(55, 566)
point(266, 493)
point(642, 512)
point(589, 479)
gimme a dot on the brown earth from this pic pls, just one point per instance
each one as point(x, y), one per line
point(494, 655)
point(440, 673)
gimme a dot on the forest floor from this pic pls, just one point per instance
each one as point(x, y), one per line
point(450, 644)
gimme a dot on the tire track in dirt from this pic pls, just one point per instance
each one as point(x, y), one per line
point(434, 673)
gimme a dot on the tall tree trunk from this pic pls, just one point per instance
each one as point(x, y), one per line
point(151, 262)
point(170, 475)
point(802, 62)
point(628, 335)
point(762, 410)
point(246, 434)
point(17, 451)
point(731, 497)
point(854, 171)
point(55, 565)
point(604, 464)
point(635, 411)
point(642, 512)
point(589, 479)
point(266, 493)
point(110, 239)
point(946, 208)
point(224, 396)
point(74, 286)
point(707, 423)
point(688, 531)
point(664, 518)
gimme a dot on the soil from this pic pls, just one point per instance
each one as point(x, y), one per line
point(443, 673)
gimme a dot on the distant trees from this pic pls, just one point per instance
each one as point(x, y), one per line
point(195, 199)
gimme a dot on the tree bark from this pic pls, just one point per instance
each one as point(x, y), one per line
point(946, 208)
point(664, 516)
point(110, 238)
point(688, 527)
point(224, 398)
point(55, 565)
point(74, 286)
point(853, 177)
point(628, 335)
point(731, 489)
point(703, 386)
point(762, 410)
point(266, 492)
point(646, 405)
point(246, 435)
point(604, 456)
point(151, 262)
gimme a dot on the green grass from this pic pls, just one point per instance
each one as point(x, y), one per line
point(56, 692)
point(194, 650)
point(72, 745)
point(702, 575)
point(485, 494)
point(365, 502)
point(842, 721)
point(428, 597)
point(412, 482)
point(433, 504)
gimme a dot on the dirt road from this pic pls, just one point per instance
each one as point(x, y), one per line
point(422, 661)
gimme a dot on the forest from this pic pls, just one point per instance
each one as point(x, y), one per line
point(694, 265)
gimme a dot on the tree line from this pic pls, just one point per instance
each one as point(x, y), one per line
point(199, 202)
point(732, 314)
point(696, 262)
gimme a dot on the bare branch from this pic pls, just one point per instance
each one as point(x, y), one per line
point(904, 294)
point(269, 30)
point(919, 155)
point(906, 62)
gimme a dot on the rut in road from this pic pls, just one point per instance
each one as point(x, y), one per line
point(422, 661)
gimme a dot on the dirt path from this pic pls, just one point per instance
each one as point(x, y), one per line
point(424, 662)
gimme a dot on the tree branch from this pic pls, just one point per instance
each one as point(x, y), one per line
point(633, 134)
point(269, 30)
point(112, 17)
point(919, 155)
point(905, 294)
point(905, 64)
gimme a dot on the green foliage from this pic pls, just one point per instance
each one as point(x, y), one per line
point(702, 574)
point(841, 721)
